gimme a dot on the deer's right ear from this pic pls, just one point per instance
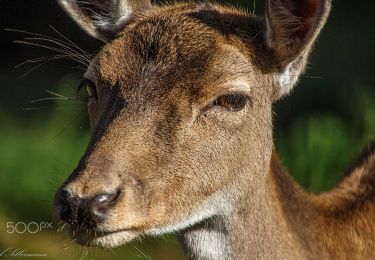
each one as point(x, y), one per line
point(292, 28)
point(102, 18)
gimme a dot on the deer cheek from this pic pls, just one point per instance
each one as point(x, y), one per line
point(93, 113)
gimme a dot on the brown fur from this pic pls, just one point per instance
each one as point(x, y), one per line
point(182, 163)
point(336, 224)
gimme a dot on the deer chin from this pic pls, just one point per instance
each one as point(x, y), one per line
point(103, 239)
point(114, 239)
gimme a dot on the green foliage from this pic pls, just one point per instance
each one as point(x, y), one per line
point(317, 148)
point(37, 156)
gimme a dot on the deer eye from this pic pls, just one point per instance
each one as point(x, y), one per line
point(231, 102)
point(90, 89)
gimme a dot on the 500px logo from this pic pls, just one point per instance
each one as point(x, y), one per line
point(31, 227)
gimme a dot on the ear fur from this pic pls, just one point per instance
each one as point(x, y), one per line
point(292, 28)
point(102, 18)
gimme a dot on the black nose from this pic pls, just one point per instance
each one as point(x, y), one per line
point(85, 211)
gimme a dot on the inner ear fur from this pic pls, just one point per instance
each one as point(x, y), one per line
point(293, 25)
point(292, 28)
point(102, 18)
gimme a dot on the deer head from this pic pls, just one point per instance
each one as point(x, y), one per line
point(181, 112)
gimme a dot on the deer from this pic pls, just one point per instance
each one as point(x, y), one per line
point(181, 110)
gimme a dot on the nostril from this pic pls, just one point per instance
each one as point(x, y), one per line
point(64, 196)
point(65, 201)
point(102, 202)
point(84, 211)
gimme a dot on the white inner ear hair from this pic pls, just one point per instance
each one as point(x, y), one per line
point(287, 79)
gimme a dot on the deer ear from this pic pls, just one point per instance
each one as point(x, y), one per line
point(292, 28)
point(103, 18)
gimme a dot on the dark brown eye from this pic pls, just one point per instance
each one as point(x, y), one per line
point(89, 89)
point(232, 102)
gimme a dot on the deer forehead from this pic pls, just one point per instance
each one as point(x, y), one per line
point(159, 55)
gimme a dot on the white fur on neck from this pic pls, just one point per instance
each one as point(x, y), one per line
point(203, 243)
point(207, 243)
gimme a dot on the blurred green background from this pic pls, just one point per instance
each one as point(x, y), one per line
point(318, 130)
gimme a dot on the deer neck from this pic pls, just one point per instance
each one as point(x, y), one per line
point(260, 224)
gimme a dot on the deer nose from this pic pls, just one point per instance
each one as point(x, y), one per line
point(101, 203)
point(85, 211)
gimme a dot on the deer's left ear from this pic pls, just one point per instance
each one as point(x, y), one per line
point(292, 28)
point(103, 18)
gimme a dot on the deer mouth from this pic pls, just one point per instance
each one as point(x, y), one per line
point(103, 239)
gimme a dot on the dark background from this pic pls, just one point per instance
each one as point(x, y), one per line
point(318, 129)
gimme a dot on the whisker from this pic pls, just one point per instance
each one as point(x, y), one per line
point(73, 56)
point(70, 41)
point(60, 95)
point(143, 254)
point(61, 108)
point(46, 60)
point(34, 68)
point(58, 50)
point(32, 108)
point(49, 98)
point(62, 45)
point(32, 33)
point(302, 76)
point(65, 128)
point(36, 60)
point(40, 45)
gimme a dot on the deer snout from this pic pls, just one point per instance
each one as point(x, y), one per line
point(84, 212)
